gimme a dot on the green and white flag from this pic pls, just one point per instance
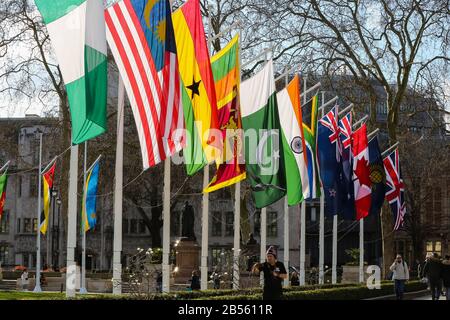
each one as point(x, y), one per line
point(293, 142)
point(264, 156)
point(77, 33)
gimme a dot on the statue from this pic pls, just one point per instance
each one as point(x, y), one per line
point(187, 222)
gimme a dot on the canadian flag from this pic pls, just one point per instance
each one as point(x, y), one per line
point(361, 172)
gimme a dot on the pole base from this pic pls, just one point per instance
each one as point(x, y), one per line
point(37, 288)
point(83, 291)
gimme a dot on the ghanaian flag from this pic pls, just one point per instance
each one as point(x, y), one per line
point(203, 145)
point(47, 179)
point(226, 71)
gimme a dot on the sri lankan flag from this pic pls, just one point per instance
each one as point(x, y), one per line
point(225, 68)
point(203, 138)
point(47, 179)
point(3, 182)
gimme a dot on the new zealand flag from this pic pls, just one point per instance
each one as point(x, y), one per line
point(348, 195)
point(329, 157)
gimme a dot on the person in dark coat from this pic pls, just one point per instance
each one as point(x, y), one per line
point(294, 279)
point(445, 275)
point(195, 281)
point(432, 270)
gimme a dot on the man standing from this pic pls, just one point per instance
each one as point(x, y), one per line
point(274, 274)
point(400, 276)
point(432, 270)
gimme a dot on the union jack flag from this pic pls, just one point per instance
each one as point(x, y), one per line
point(395, 188)
point(345, 127)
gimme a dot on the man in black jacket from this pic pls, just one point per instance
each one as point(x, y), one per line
point(432, 270)
point(445, 275)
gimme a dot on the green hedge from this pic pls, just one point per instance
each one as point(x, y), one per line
point(349, 292)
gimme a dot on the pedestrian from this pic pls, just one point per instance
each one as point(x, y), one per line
point(445, 275)
point(274, 274)
point(195, 281)
point(24, 280)
point(216, 278)
point(432, 270)
point(400, 274)
point(294, 279)
point(159, 281)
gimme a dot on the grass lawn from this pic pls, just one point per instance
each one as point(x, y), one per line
point(23, 295)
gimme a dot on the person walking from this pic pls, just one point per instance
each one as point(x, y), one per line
point(294, 279)
point(195, 281)
point(24, 280)
point(445, 275)
point(432, 270)
point(400, 274)
point(274, 274)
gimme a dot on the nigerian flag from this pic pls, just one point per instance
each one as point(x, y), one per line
point(264, 157)
point(77, 33)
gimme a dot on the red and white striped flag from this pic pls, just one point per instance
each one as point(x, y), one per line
point(140, 35)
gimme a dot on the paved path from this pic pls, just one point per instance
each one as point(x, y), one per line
point(428, 297)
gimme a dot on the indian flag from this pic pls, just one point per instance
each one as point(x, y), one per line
point(77, 32)
point(293, 143)
point(264, 156)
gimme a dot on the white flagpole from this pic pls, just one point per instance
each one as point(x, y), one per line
point(302, 279)
point(361, 250)
point(205, 231)
point(334, 262)
point(286, 217)
point(83, 257)
point(322, 220)
point(72, 223)
point(263, 233)
point(118, 193)
point(37, 287)
point(166, 228)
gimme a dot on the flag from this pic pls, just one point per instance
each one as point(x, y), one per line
point(89, 208)
point(395, 188)
point(329, 160)
point(377, 177)
point(77, 33)
point(361, 172)
point(293, 142)
point(47, 179)
point(226, 72)
point(204, 140)
point(141, 37)
point(264, 156)
point(3, 183)
point(310, 134)
point(347, 191)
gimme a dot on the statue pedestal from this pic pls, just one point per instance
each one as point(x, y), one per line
point(187, 258)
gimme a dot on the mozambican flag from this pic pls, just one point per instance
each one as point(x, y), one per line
point(203, 137)
point(47, 179)
point(89, 207)
point(225, 67)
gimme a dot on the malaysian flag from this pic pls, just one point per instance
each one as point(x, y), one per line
point(395, 188)
point(140, 35)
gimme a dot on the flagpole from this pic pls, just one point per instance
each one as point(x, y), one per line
point(72, 223)
point(263, 233)
point(303, 214)
point(322, 216)
point(37, 287)
point(389, 150)
point(361, 250)
point(118, 194)
point(286, 213)
point(237, 198)
point(5, 166)
point(205, 198)
point(83, 257)
point(306, 92)
point(166, 228)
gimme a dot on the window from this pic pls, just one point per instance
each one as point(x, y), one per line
point(216, 224)
point(133, 226)
point(33, 185)
point(257, 224)
point(438, 247)
point(229, 224)
point(4, 222)
point(35, 225)
point(142, 226)
point(19, 184)
point(26, 259)
point(272, 224)
point(434, 247)
point(4, 254)
point(27, 225)
point(429, 247)
point(437, 205)
point(18, 225)
point(125, 226)
point(215, 255)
